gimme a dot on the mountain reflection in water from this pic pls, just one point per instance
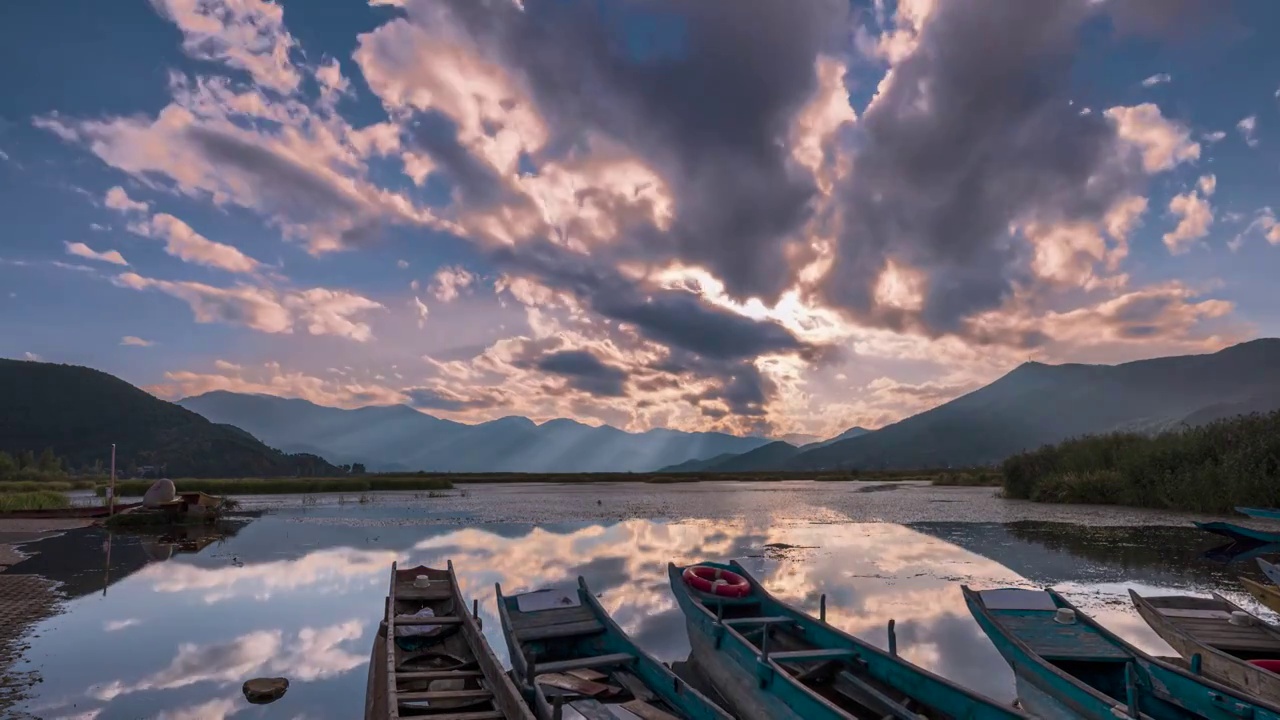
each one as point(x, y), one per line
point(177, 631)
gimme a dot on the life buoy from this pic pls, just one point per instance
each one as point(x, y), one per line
point(716, 581)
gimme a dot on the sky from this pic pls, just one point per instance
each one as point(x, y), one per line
point(753, 216)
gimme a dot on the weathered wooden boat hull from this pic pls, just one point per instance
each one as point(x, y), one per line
point(1260, 513)
point(1240, 532)
point(476, 687)
point(1271, 571)
point(1268, 595)
point(592, 636)
point(1208, 639)
point(1052, 662)
point(85, 511)
point(757, 687)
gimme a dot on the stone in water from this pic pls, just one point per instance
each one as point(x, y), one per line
point(160, 492)
point(261, 691)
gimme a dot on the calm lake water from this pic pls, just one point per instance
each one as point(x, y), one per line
point(171, 627)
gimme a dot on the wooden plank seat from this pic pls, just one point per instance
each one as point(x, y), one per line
point(439, 675)
point(765, 620)
point(408, 620)
point(561, 630)
point(862, 692)
point(812, 655)
point(583, 663)
point(474, 715)
point(406, 697)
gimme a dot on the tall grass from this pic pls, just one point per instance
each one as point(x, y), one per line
point(37, 500)
point(272, 486)
point(968, 479)
point(36, 486)
point(1211, 468)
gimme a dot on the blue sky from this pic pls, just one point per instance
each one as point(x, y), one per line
point(739, 216)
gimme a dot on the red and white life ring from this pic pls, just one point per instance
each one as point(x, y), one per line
point(716, 581)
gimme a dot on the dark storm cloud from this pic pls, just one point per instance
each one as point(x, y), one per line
point(675, 318)
point(706, 96)
point(585, 372)
point(974, 133)
point(476, 184)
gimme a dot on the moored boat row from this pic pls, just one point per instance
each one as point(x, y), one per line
point(767, 659)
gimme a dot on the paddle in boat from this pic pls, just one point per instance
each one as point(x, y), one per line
point(430, 659)
point(771, 661)
point(1065, 665)
point(1271, 571)
point(1260, 513)
point(1267, 594)
point(569, 656)
point(1219, 638)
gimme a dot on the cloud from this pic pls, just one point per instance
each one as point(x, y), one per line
point(135, 341)
point(81, 250)
point(182, 242)
point(1264, 224)
point(117, 199)
point(117, 625)
point(1157, 79)
point(246, 35)
point(443, 399)
point(1196, 215)
point(449, 282)
point(585, 372)
point(227, 366)
point(1163, 143)
point(421, 309)
point(32, 357)
point(1208, 184)
point(1248, 127)
point(321, 311)
point(402, 264)
point(1213, 137)
point(273, 381)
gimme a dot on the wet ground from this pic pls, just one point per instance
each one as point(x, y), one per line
point(171, 626)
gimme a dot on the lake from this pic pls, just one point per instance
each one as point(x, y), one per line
point(171, 626)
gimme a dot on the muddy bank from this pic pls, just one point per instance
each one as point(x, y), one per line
point(24, 599)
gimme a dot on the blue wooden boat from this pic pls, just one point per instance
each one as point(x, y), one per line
point(771, 661)
point(1260, 513)
point(1066, 666)
point(1240, 533)
point(568, 654)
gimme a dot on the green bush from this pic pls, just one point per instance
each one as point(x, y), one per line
point(38, 500)
point(1210, 468)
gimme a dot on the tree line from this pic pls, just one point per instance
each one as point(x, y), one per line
point(1209, 468)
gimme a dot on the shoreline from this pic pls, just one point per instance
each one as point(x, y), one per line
point(25, 599)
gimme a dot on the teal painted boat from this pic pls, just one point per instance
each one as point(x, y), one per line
point(1066, 666)
point(770, 661)
point(1260, 513)
point(567, 654)
point(1240, 533)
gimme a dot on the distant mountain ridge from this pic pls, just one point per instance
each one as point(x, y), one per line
point(397, 437)
point(79, 412)
point(1037, 404)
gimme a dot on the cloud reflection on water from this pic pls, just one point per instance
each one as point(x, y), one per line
point(310, 616)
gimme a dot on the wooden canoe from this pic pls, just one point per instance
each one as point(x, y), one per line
point(436, 664)
point(1271, 571)
point(569, 656)
point(1268, 595)
point(771, 661)
point(1260, 513)
point(1240, 533)
point(1196, 626)
point(1067, 666)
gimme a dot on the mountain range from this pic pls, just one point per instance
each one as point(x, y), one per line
point(397, 437)
point(1037, 404)
point(79, 413)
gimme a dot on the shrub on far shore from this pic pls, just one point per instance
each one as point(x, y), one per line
point(1209, 468)
point(38, 500)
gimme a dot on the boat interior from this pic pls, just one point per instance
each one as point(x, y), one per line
point(1208, 620)
point(436, 672)
point(577, 663)
point(841, 676)
point(1077, 648)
